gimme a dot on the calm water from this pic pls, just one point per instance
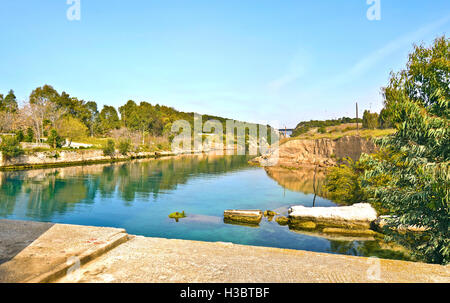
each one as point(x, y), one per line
point(139, 196)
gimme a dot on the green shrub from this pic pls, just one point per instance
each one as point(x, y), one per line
point(343, 184)
point(30, 135)
point(370, 120)
point(54, 140)
point(124, 147)
point(10, 147)
point(110, 148)
point(322, 130)
point(20, 136)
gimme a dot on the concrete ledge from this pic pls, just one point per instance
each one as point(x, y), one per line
point(42, 252)
point(39, 252)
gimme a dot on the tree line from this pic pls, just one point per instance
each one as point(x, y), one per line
point(58, 116)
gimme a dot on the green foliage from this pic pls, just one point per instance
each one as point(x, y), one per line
point(71, 128)
point(124, 147)
point(10, 147)
point(54, 140)
point(9, 102)
point(110, 148)
point(30, 135)
point(370, 120)
point(343, 183)
point(20, 136)
point(108, 120)
point(417, 191)
point(322, 130)
point(304, 126)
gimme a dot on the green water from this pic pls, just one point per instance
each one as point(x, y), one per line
point(139, 196)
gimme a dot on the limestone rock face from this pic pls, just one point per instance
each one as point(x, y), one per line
point(323, 152)
point(357, 216)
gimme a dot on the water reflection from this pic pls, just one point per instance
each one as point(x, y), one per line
point(57, 190)
point(139, 196)
point(300, 180)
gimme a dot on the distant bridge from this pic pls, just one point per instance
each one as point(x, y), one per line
point(286, 132)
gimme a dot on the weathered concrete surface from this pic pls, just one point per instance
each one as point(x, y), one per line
point(39, 252)
point(357, 216)
point(161, 260)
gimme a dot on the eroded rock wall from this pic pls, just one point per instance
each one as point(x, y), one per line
point(322, 152)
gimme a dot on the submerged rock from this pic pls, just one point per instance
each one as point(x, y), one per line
point(357, 216)
point(243, 216)
point(282, 220)
point(350, 232)
point(306, 225)
point(269, 213)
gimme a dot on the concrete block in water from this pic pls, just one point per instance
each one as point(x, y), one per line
point(243, 216)
point(357, 216)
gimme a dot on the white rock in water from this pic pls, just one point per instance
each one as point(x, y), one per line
point(356, 212)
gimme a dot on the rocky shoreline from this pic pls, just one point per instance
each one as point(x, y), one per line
point(323, 152)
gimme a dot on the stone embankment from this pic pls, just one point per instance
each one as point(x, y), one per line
point(53, 158)
point(320, 152)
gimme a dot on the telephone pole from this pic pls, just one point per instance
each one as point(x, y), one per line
point(357, 123)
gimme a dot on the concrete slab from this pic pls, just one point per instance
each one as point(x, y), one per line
point(42, 252)
point(45, 252)
point(162, 260)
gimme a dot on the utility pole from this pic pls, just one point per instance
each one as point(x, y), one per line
point(357, 124)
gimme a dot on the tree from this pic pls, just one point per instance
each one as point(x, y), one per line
point(54, 139)
point(124, 147)
point(92, 116)
point(109, 149)
point(20, 136)
point(108, 119)
point(71, 128)
point(29, 135)
point(370, 120)
point(9, 103)
point(42, 105)
point(417, 190)
point(10, 147)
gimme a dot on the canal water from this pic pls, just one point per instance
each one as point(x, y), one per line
point(139, 196)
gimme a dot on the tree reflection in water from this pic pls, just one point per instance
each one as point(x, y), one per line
point(56, 190)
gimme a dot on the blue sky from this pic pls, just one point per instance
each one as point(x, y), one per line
point(253, 60)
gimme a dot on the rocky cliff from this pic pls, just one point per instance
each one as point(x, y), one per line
point(322, 152)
